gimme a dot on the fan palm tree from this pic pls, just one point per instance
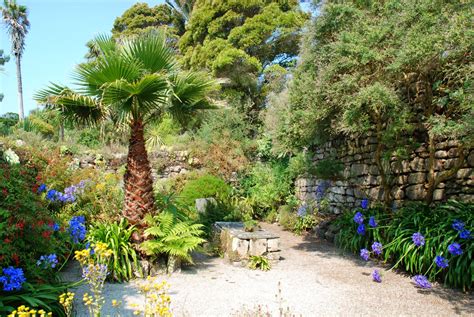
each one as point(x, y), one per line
point(15, 18)
point(183, 8)
point(135, 83)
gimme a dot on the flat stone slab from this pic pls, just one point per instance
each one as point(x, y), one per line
point(237, 230)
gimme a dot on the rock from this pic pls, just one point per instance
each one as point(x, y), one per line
point(257, 247)
point(415, 192)
point(441, 154)
point(273, 245)
point(202, 204)
point(470, 159)
point(240, 247)
point(398, 194)
point(358, 169)
point(418, 165)
point(417, 178)
point(439, 194)
point(464, 173)
point(274, 256)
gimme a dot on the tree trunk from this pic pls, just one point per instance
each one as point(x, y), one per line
point(21, 113)
point(139, 199)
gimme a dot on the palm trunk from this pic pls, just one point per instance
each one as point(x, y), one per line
point(139, 199)
point(21, 113)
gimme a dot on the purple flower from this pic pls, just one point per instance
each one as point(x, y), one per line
point(48, 261)
point(364, 203)
point(458, 225)
point(421, 281)
point(361, 229)
point(377, 248)
point(465, 234)
point(441, 262)
point(42, 188)
point(418, 239)
point(55, 227)
point(302, 210)
point(12, 279)
point(376, 276)
point(359, 218)
point(364, 253)
point(372, 222)
point(455, 248)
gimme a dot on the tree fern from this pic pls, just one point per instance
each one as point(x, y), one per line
point(172, 236)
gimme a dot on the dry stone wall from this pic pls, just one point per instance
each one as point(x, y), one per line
point(360, 177)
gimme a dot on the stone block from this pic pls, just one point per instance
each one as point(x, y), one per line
point(470, 159)
point(240, 247)
point(464, 173)
point(258, 246)
point(203, 203)
point(417, 178)
point(439, 194)
point(398, 194)
point(273, 245)
point(418, 165)
point(274, 256)
point(441, 154)
point(415, 192)
point(359, 169)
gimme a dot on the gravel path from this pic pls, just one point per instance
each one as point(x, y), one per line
point(315, 278)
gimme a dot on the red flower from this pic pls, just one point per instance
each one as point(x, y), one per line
point(16, 259)
point(6, 240)
point(20, 225)
point(40, 223)
point(46, 234)
point(5, 192)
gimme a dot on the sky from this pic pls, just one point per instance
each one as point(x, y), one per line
point(55, 43)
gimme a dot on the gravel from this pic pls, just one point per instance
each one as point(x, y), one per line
point(313, 279)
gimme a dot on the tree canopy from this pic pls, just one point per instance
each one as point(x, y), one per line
point(238, 40)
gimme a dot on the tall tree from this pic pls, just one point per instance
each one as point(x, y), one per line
point(3, 60)
point(183, 8)
point(137, 82)
point(15, 18)
point(238, 40)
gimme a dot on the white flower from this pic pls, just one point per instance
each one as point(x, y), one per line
point(11, 157)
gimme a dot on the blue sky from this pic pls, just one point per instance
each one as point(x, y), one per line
point(56, 43)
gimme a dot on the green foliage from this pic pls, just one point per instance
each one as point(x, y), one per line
point(37, 296)
point(375, 66)
point(328, 169)
point(7, 121)
point(162, 133)
point(205, 186)
point(220, 211)
point(250, 225)
point(304, 224)
point(287, 218)
point(238, 40)
point(140, 18)
point(267, 186)
point(89, 138)
point(171, 236)
point(259, 262)
point(117, 236)
point(395, 232)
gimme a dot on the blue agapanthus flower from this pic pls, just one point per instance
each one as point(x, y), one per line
point(42, 188)
point(455, 248)
point(465, 234)
point(458, 225)
point(421, 281)
point(51, 195)
point(77, 228)
point(361, 229)
point(377, 248)
point(364, 254)
point(55, 226)
point(364, 203)
point(12, 279)
point(359, 218)
point(302, 210)
point(372, 222)
point(47, 261)
point(418, 239)
point(441, 262)
point(376, 276)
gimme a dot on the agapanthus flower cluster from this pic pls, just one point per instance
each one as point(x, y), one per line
point(364, 203)
point(12, 278)
point(377, 248)
point(77, 228)
point(364, 254)
point(418, 239)
point(359, 218)
point(69, 196)
point(458, 225)
point(372, 222)
point(55, 226)
point(47, 261)
point(421, 281)
point(455, 248)
point(361, 229)
point(441, 262)
point(465, 234)
point(376, 276)
point(302, 210)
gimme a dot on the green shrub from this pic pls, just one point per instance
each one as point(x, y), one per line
point(89, 138)
point(221, 211)
point(287, 217)
point(395, 232)
point(205, 186)
point(304, 224)
point(328, 169)
point(117, 236)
